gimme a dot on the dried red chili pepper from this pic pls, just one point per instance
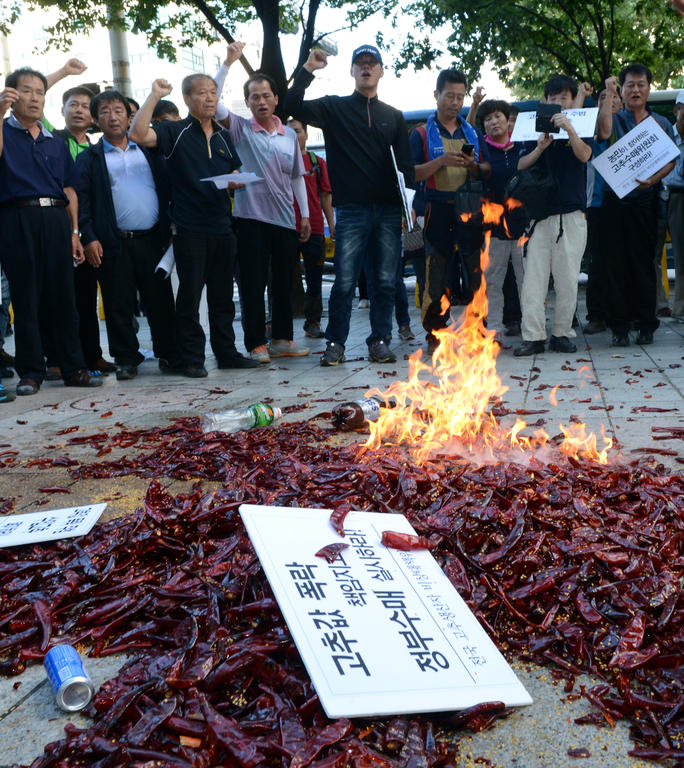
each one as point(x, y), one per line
point(405, 541)
point(331, 552)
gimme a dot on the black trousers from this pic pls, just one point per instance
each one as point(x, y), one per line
point(596, 282)
point(313, 253)
point(38, 262)
point(628, 240)
point(123, 271)
point(85, 291)
point(261, 244)
point(204, 259)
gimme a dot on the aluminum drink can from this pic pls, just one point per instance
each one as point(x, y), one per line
point(71, 685)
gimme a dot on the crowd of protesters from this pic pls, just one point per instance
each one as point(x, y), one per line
point(76, 215)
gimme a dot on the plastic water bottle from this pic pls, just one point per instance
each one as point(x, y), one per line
point(354, 415)
point(257, 415)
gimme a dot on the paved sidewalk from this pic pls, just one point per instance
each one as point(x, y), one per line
point(630, 391)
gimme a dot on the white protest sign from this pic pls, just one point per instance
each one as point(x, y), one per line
point(222, 181)
point(582, 120)
point(637, 155)
point(33, 527)
point(380, 631)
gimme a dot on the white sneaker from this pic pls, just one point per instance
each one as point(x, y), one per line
point(363, 304)
point(260, 354)
point(287, 348)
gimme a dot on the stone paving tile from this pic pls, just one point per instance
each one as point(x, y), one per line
point(535, 737)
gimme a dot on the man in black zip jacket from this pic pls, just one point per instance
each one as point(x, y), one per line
point(204, 244)
point(359, 131)
point(124, 230)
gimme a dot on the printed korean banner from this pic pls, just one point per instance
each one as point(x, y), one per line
point(33, 527)
point(637, 155)
point(582, 120)
point(381, 631)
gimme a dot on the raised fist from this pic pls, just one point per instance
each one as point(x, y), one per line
point(75, 67)
point(478, 95)
point(161, 87)
point(7, 98)
point(586, 89)
point(233, 52)
point(612, 84)
point(317, 59)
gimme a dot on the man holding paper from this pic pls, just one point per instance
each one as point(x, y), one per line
point(629, 227)
point(264, 211)
point(204, 244)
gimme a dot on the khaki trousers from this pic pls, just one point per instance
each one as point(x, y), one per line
point(549, 254)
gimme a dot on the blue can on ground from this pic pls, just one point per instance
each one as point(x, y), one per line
point(71, 685)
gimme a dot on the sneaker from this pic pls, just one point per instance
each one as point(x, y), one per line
point(562, 344)
point(620, 340)
point(379, 352)
point(126, 372)
point(405, 333)
point(594, 326)
point(82, 379)
point(5, 396)
point(27, 387)
point(644, 337)
point(363, 304)
point(333, 355)
point(6, 373)
point(529, 348)
point(312, 329)
point(260, 354)
point(287, 348)
point(664, 312)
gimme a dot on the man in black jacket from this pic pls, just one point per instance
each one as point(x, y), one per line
point(360, 132)
point(124, 229)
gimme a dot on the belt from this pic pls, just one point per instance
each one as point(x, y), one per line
point(38, 202)
point(131, 234)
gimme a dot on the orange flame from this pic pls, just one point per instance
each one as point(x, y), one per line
point(446, 406)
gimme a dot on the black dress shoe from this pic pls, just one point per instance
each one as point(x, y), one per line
point(529, 348)
point(103, 366)
point(193, 372)
point(6, 373)
point(83, 379)
point(512, 329)
point(562, 344)
point(53, 373)
point(238, 361)
point(644, 338)
point(27, 386)
point(620, 340)
point(664, 312)
point(126, 372)
point(594, 326)
point(6, 359)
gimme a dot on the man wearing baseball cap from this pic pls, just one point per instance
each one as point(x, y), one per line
point(360, 131)
point(675, 211)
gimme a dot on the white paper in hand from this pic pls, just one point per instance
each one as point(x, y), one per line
point(167, 262)
point(222, 181)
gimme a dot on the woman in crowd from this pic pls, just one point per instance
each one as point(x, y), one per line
point(504, 241)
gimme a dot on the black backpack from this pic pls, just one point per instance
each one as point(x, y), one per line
point(535, 188)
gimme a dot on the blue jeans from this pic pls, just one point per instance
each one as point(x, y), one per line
point(368, 235)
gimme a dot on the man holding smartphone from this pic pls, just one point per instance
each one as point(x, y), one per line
point(448, 153)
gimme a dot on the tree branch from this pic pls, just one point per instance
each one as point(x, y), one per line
point(225, 34)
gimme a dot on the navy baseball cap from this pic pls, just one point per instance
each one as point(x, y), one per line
point(371, 50)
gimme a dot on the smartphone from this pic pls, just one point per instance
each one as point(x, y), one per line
point(467, 149)
point(543, 122)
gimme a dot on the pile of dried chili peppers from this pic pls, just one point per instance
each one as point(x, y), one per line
point(574, 565)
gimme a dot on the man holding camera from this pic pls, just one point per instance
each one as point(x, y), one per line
point(448, 153)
